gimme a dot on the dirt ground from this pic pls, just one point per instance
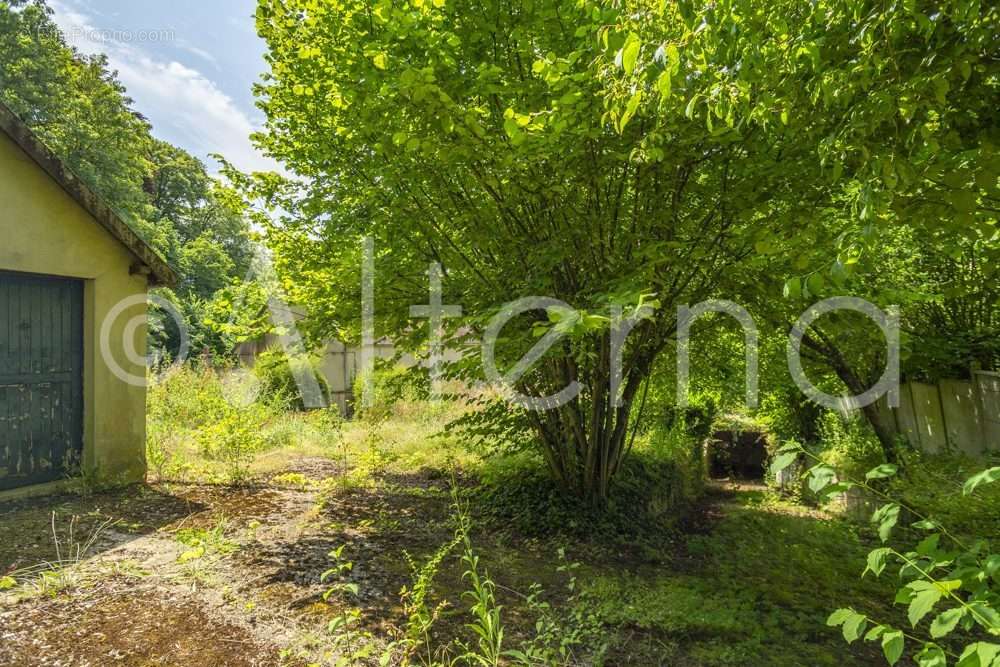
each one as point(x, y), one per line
point(141, 597)
point(184, 574)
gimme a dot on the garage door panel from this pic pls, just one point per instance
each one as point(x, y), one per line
point(41, 378)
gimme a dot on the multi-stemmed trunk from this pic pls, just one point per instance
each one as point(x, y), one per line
point(585, 441)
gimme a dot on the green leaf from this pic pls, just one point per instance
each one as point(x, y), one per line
point(882, 472)
point(815, 283)
point(964, 201)
point(630, 52)
point(921, 604)
point(853, 627)
point(673, 59)
point(783, 460)
point(820, 477)
point(987, 476)
point(929, 544)
point(980, 654)
point(630, 109)
point(664, 83)
point(877, 559)
point(380, 60)
point(689, 109)
point(993, 565)
point(834, 489)
point(7, 583)
point(793, 288)
point(946, 622)
point(985, 615)
point(853, 623)
point(838, 617)
point(892, 646)
point(931, 656)
point(885, 518)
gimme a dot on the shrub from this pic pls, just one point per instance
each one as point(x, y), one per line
point(392, 385)
point(222, 417)
point(848, 445)
point(235, 439)
point(949, 581)
point(186, 396)
point(277, 373)
point(648, 497)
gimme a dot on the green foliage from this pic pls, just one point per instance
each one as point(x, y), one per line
point(749, 587)
point(649, 497)
point(755, 149)
point(847, 444)
point(951, 584)
point(219, 413)
point(933, 485)
point(436, 107)
point(80, 109)
point(202, 542)
point(492, 427)
point(393, 384)
point(565, 634)
point(278, 374)
point(486, 613)
point(235, 439)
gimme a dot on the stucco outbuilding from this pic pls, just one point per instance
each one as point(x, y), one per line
point(73, 280)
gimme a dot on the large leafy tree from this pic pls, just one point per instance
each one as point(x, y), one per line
point(897, 103)
point(479, 136)
point(602, 152)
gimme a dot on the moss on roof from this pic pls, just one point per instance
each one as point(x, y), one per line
point(160, 272)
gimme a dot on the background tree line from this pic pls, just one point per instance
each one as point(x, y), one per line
point(80, 109)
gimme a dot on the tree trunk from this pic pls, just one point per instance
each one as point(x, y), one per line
point(585, 441)
point(885, 432)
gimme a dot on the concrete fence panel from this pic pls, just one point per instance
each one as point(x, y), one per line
point(950, 416)
point(988, 386)
point(962, 416)
point(930, 418)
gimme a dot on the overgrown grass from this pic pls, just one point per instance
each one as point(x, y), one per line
point(658, 576)
point(209, 425)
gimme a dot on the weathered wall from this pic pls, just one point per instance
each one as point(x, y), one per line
point(340, 366)
point(929, 417)
point(42, 230)
point(962, 415)
point(952, 415)
point(988, 391)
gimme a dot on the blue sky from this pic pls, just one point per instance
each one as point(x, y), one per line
point(188, 64)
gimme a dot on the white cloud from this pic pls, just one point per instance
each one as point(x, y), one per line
point(201, 53)
point(170, 94)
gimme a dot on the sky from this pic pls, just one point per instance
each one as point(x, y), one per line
point(189, 66)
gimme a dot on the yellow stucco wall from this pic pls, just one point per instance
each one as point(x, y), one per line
point(43, 230)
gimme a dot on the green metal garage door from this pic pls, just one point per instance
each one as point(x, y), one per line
point(41, 378)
